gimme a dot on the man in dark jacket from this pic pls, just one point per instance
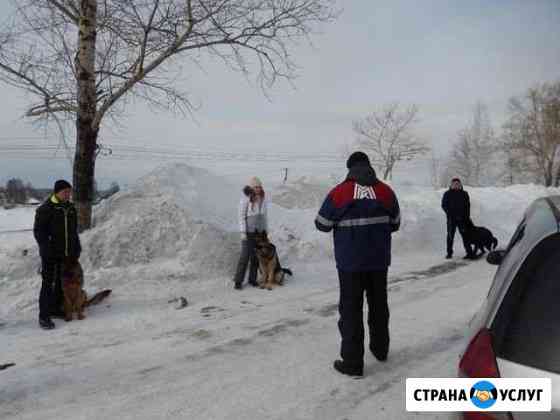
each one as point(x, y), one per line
point(363, 212)
point(457, 206)
point(56, 232)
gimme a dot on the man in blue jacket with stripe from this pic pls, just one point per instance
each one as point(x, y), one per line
point(362, 212)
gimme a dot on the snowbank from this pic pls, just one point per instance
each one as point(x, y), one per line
point(423, 227)
point(498, 209)
point(18, 218)
point(303, 193)
point(175, 211)
point(176, 225)
point(176, 228)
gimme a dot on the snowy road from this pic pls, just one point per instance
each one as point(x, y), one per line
point(239, 355)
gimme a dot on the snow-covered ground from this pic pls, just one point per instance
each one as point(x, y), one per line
point(230, 355)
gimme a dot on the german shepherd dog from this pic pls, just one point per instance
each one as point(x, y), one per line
point(272, 273)
point(75, 297)
point(479, 238)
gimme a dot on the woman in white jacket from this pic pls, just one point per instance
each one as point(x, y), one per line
point(253, 209)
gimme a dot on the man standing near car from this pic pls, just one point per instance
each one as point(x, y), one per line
point(362, 212)
point(457, 206)
point(56, 232)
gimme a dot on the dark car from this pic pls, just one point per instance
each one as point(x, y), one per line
point(516, 332)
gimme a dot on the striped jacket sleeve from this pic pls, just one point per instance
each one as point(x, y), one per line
point(326, 218)
point(242, 214)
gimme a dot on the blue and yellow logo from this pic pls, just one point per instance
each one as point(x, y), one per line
point(484, 394)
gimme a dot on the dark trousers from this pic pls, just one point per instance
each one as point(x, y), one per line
point(350, 306)
point(452, 226)
point(248, 257)
point(51, 296)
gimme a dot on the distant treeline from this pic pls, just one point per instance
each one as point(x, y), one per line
point(18, 192)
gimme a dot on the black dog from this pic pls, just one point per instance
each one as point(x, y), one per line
point(479, 238)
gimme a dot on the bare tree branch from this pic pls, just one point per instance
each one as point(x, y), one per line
point(533, 130)
point(473, 152)
point(89, 58)
point(68, 9)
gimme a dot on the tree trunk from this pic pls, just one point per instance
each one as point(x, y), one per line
point(548, 175)
point(86, 130)
point(557, 180)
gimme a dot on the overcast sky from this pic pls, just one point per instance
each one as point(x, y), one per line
point(442, 55)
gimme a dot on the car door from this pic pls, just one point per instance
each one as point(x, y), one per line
point(527, 344)
point(537, 223)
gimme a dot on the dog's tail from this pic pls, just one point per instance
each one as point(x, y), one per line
point(494, 243)
point(287, 271)
point(98, 297)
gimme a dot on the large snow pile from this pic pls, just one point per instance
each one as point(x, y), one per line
point(175, 226)
point(176, 229)
point(175, 211)
point(303, 193)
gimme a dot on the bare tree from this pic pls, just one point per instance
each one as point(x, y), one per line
point(533, 130)
point(461, 158)
point(472, 153)
point(30, 190)
point(85, 60)
point(387, 136)
point(516, 165)
point(15, 191)
point(438, 171)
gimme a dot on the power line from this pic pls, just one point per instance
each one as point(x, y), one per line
point(127, 152)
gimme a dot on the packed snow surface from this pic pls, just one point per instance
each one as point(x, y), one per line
point(229, 354)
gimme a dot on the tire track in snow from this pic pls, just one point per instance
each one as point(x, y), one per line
point(429, 273)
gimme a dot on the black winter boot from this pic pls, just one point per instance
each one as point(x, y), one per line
point(46, 323)
point(378, 354)
point(346, 369)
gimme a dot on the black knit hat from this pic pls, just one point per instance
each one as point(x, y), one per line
point(357, 157)
point(60, 185)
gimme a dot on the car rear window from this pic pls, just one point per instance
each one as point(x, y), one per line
point(527, 326)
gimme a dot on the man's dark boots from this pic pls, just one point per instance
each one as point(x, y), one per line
point(46, 323)
point(378, 354)
point(346, 369)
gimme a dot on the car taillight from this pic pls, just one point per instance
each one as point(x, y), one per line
point(479, 360)
point(486, 416)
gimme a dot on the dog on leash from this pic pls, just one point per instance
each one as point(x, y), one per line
point(479, 238)
point(75, 297)
point(272, 273)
